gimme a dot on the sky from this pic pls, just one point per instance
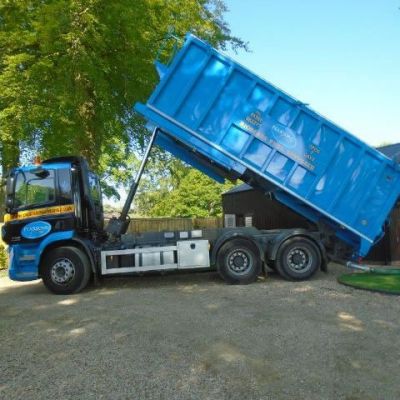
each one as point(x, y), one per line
point(342, 57)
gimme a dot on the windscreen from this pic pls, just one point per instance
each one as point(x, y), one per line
point(33, 189)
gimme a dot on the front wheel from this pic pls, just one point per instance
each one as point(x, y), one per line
point(239, 262)
point(65, 270)
point(298, 259)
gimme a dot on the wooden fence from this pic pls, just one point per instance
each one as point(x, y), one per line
point(173, 224)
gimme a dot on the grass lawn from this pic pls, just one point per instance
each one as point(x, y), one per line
point(370, 281)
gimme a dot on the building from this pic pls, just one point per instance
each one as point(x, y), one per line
point(392, 151)
point(245, 206)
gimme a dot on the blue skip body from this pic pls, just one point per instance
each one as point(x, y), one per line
point(223, 119)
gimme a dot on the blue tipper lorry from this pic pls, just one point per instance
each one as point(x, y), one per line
point(216, 115)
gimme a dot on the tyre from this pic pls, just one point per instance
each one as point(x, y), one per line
point(65, 270)
point(298, 259)
point(238, 262)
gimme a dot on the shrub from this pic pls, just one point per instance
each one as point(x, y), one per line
point(3, 257)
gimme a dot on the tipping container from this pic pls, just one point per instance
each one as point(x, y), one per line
point(228, 122)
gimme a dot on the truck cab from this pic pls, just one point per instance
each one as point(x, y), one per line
point(53, 204)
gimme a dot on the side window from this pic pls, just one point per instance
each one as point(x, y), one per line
point(95, 191)
point(64, 186)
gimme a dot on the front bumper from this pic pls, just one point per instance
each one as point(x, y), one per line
point(23, 265)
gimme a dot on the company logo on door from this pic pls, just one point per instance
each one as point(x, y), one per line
point(36, 230)
point(284, 136)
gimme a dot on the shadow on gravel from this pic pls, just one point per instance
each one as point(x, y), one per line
point(148, 280)
point(179, 279)
point(114, 283)
point(153, 280)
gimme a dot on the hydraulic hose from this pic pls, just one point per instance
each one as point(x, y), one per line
point(373, 270)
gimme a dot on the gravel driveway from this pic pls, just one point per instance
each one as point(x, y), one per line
point(191, 336)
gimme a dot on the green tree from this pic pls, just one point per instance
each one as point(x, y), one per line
point(70, 71)
point(194, 195)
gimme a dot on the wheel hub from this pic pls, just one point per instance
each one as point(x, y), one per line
point(239, 261)
point(298, 259)
point(62, 271)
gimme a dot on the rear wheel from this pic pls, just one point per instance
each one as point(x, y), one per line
point(298, 259)
point(65, 270)
point(239, 262)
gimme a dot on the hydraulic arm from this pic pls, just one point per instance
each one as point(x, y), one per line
point(118, 226)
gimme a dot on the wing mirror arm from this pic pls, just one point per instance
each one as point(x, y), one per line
point(10, 185)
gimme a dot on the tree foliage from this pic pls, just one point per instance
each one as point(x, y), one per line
point(71, 70)
point(185, 192)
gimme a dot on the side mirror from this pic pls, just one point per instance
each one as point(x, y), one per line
point(9, 203)
point(10, 191)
